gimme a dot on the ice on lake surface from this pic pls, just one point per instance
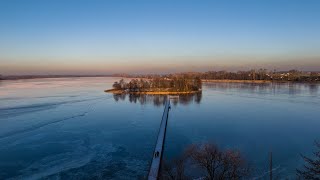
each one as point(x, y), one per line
point(69, 128)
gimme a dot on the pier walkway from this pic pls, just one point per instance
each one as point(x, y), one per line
point(158, 151)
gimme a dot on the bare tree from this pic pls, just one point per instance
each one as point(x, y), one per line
point(218, 164)
point(174, 170)
point(116, 85)
point(208, 158)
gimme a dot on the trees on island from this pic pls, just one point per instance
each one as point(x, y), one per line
point(174, 84)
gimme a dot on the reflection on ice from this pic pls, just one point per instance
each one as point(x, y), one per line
point(159, 100)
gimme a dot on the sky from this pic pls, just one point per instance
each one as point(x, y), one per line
point(157, 36)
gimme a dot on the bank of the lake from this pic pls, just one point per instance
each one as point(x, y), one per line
point(117, 91)
point(235, 81)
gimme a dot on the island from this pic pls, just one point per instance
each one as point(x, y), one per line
point(158, 85)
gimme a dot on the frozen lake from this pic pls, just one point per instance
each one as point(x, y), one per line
point(69, 128)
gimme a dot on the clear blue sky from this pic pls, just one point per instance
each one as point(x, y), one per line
point(108, 36)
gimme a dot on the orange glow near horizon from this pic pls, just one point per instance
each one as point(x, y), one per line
point(157, 65)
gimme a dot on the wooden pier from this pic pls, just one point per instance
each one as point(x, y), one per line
point(158, 151)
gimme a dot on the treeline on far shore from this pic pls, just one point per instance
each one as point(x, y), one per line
point(17, 77)
point(250, 75)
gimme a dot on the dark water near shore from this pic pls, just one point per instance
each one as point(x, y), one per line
point(69, 128)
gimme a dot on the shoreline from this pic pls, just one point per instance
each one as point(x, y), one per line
point(28, 77)
point(114, 91)
point(239, 81)
point(203, 80)
point(254, 81)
